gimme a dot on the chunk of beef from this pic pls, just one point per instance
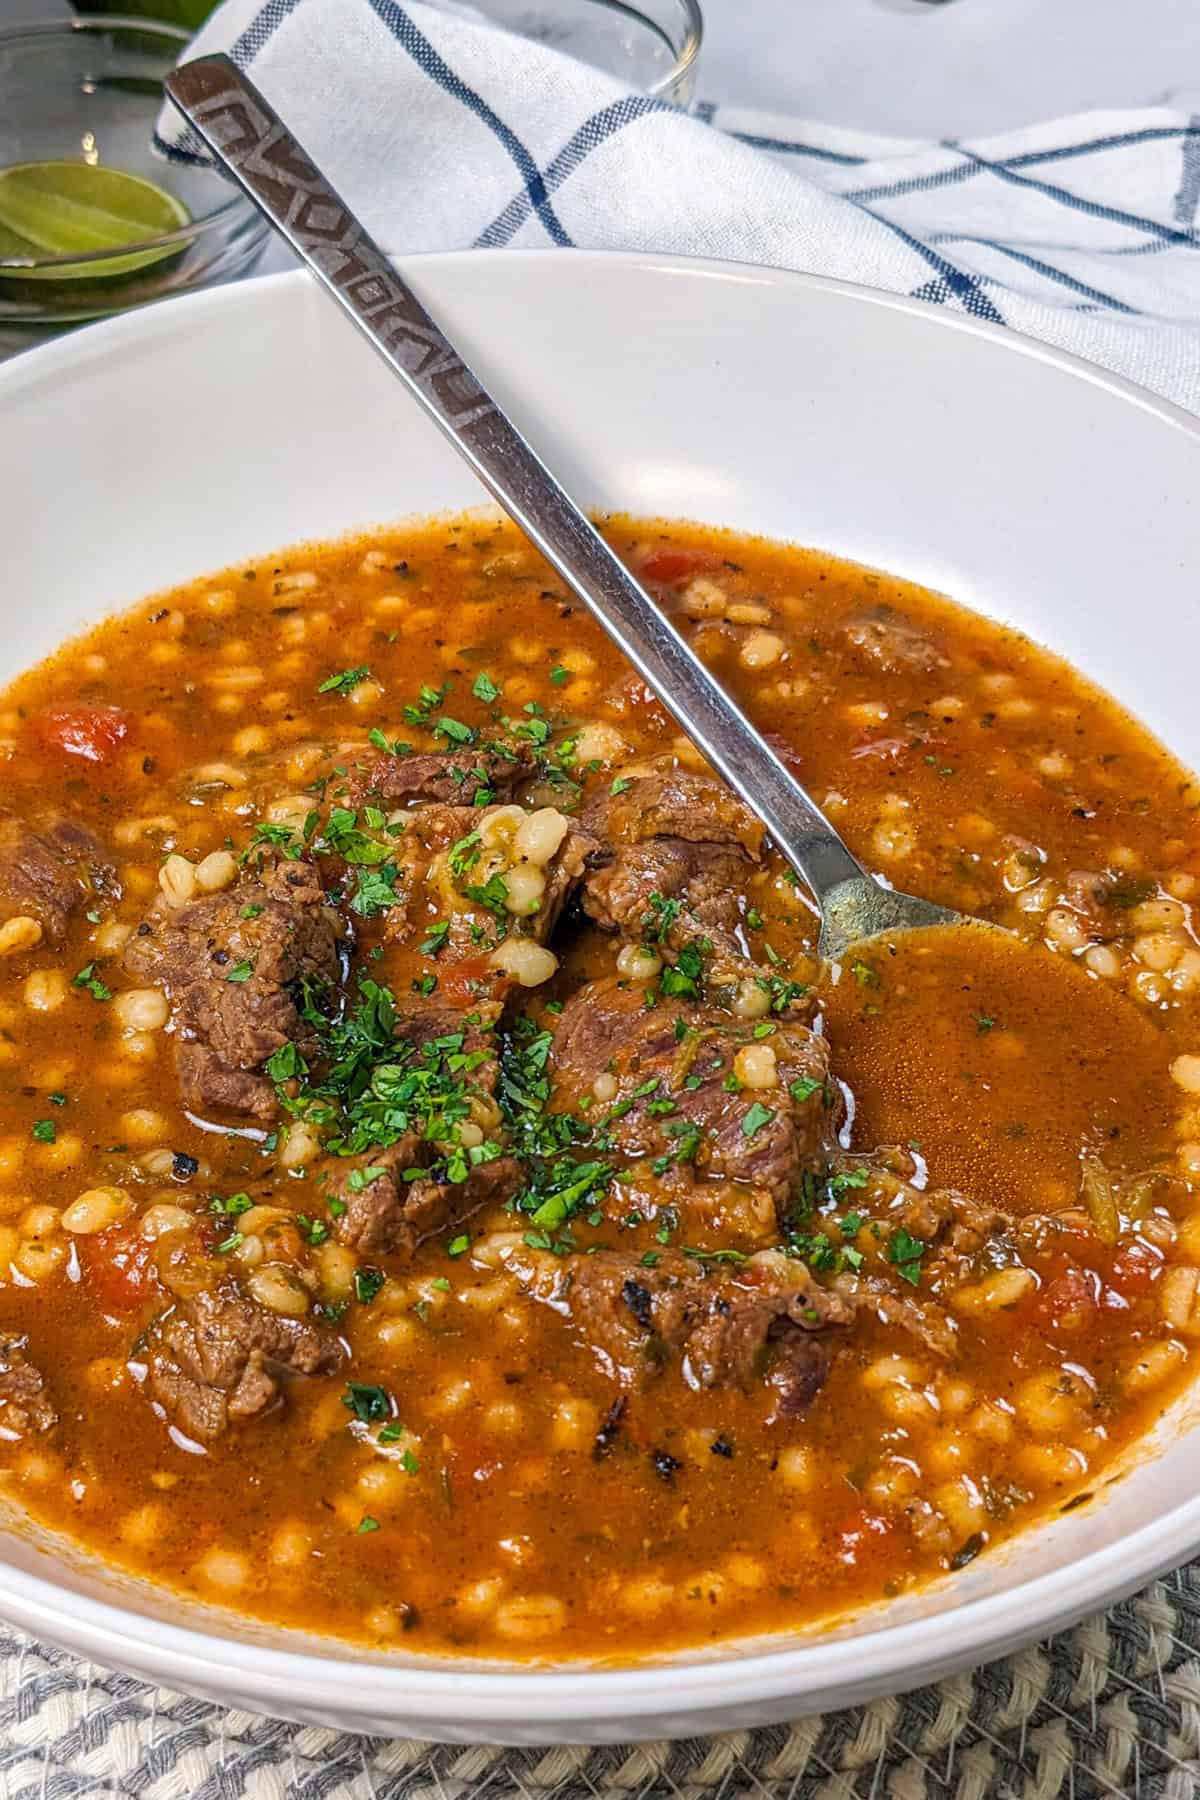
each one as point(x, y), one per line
point(220, 1357)
point(389, 1216)
point(460, 867)
point(665, 801)
point(949, 1239)
point(763, 1320)
point(765, 1137)
point(885, 641)
point(962, 1239)
point(446, 777)
point(679, 837)
point(708, 881)
point(49, 872)
point(24, 1405)
point(228, 963)
point(923, 1319)
point(439, 1051)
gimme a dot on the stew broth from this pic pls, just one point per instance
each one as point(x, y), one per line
point(443, 1200)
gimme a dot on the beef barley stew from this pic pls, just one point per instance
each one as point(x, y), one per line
point(442, 1198)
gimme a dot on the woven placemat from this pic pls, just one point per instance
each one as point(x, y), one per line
point(1110, 1708)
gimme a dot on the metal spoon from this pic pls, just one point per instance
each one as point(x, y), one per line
point(252, 142)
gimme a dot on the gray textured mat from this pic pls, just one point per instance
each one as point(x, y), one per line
point(1111, 1708)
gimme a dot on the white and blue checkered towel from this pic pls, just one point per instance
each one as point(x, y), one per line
point(444, 133)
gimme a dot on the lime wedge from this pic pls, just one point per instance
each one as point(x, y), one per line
point(78, 208)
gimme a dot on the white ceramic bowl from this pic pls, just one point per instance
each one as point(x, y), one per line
point(172, 441)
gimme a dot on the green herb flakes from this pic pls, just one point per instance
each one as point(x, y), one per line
point(345, 682)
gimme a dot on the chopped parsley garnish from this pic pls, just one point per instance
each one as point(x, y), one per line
point(460, 1245)
point(87, 979)
point(757, 1116)
point(484, 688)
point(536, 730)
point(905, 1252)
point(845, 1179)
point(367, 1523)
point(816, 1250)
point(782, 992)
point(345, 682)
point(279, 837)
point(558, 1183)
point(804, 1087)
point(621, 785)
point(864, 974)
point(656, 924)
point(464, 854)
point(435, 938)
point(430, 699)
point(230, 1206)
point(455, 731)
point(286, 1064)
point(683, 976)
point(344, 837)
point(367, 1283)
point(367, 1402)
point(389, 746)
point(45, 1131)
point(375, 890)
point(492, 896)
point(241, 971)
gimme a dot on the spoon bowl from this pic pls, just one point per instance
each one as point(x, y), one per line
point(862, 907)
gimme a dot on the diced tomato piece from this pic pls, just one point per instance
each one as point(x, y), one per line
point(1135, 1269)
point(1068, 1302)
point(672, 567)
point(466, 980)
point(863, 1532)
point(119, 1267)
point(93, 732)
point(631, 699)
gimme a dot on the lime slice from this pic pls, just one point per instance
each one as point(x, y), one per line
point(78, 208)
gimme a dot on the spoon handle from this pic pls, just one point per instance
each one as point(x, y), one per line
point(249, 138)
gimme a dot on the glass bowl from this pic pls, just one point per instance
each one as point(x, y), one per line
point(650, 45)
point(90, 90)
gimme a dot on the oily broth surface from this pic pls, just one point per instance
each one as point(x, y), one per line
point(989, 782)
point(999, 1060)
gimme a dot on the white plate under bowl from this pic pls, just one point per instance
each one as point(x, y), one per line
point(173, 441)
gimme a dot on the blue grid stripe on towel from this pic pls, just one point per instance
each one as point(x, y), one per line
point(446, 133)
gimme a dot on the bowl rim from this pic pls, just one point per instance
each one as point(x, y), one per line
point(694, 1682)
point(685, 56)
point(198, 226)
